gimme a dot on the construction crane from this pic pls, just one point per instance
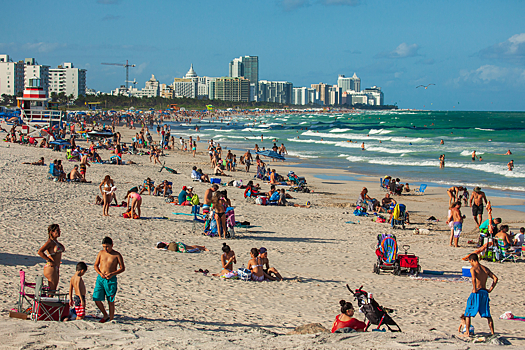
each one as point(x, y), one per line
point(127, 65)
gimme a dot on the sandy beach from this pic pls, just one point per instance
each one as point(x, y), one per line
point(163, 303)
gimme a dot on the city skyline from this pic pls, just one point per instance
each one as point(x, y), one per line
point(474, 54)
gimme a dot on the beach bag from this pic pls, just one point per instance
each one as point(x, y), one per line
point(261, 200)
point(380, 220)
point(244, 274)
point(274, 197)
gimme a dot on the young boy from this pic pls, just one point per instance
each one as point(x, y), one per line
point(108, 265)
point(77, 284)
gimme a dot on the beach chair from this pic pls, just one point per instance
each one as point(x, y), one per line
point(421, 189)
point(522, 250)
point(399, 216)
point(381, 183)
point(48, 305)
point(53, 172)
point(198, 218)
point(502, 254)
point(23, 296)
point(386, 184)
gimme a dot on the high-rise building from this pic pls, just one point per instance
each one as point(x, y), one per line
point(183, 87)
point(323, 90)
point(375, 96)
point(32, 69)
point(67, 79)
point(349, 84)
point(11, 76)
point(335, 94)
point(275, 91)
point(247, 67)
point(235, 89)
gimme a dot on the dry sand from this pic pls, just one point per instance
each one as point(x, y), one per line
point(163, 303)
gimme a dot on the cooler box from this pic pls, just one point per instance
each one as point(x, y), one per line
point(215, 180)
point(466, 271)
point(56, 311)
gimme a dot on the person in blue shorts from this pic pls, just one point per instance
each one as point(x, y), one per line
point(478, 301)
point(108, 265)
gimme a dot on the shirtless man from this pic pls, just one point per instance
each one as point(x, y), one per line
point(473, 156)
point(457, 219)
point(83, 163)
point(282, 150)
point(108, 265)
point(478, 197)
point(207, 197)
point(510, 165)
point(503, 234)
point(478, 301)
point(75, 175)
point(247, 160)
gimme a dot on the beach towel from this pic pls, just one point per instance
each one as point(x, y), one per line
point(397, 212)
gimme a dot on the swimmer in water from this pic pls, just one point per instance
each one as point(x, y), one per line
point(510, 165)
point(363, 146)
point(441, 142)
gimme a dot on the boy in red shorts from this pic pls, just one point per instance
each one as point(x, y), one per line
point(77, 284)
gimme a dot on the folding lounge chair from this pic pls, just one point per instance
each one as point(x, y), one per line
point(53, 172)
point(399, 216)
point(48, 305)
point(198, 218)
point(421, 189)
point(502, 254)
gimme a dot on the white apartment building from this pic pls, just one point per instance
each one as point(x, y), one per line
point(349, 84)
point(335, 95)
point(68, 80)
point(375, 96)
point(304, 96)
point(152, 88)
point(184, 88)
point(33, 69)
point(371, 96)
point(11, 76)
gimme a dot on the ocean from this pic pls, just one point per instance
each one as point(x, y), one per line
point(403, 144)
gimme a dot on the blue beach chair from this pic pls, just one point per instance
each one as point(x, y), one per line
point(421, 189)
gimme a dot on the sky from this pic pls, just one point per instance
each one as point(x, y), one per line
point(474, 52)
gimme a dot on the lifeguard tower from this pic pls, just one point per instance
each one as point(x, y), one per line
point(34, 109)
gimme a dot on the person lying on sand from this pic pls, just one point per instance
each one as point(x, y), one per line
point(39, 162)
point(181, 247)
point(227, 260)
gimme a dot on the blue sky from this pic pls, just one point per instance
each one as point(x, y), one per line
point(473, 51)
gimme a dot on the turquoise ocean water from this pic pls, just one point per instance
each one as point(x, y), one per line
point(404, 144)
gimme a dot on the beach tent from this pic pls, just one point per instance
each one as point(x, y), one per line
point(270, 154)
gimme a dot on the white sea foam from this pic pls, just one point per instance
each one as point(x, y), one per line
point(379, 131)
point(389, 150)
point(301, 155)
point(484, 129)
point(339, 130)
point(362, 137)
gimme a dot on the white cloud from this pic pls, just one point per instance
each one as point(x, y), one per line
point(402, 51)
point(40, 47)
point(511, 49)
point(490, 73)
point(141, 67)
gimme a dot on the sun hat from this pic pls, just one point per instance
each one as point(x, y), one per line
point(262, 250)
point(477, 189)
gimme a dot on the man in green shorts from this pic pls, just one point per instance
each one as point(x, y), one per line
point(108, 265)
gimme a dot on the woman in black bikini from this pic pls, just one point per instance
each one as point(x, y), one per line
point(219, 205)
point(54, 251)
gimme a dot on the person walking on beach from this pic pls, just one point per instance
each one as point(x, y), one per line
point(247, 160)
point(457, 219)
point(83, 163)
point(107, 188)
point(108, 265)
point(478, 197)
point(478, 301)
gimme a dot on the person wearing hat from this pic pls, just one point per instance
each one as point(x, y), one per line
point(478, 197)
point(268, 271)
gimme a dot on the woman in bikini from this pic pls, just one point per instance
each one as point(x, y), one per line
point(53, 257)
point(107, 188)
point(219, 205)
point(136, 202)
point(227, 260)
point(255, 265)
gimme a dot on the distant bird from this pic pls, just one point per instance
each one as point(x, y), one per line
point(425, 86)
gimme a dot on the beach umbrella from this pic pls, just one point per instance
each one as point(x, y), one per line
point(270, 154)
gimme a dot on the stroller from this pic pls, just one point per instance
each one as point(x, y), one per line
point(374, 313)
point(389, 259)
